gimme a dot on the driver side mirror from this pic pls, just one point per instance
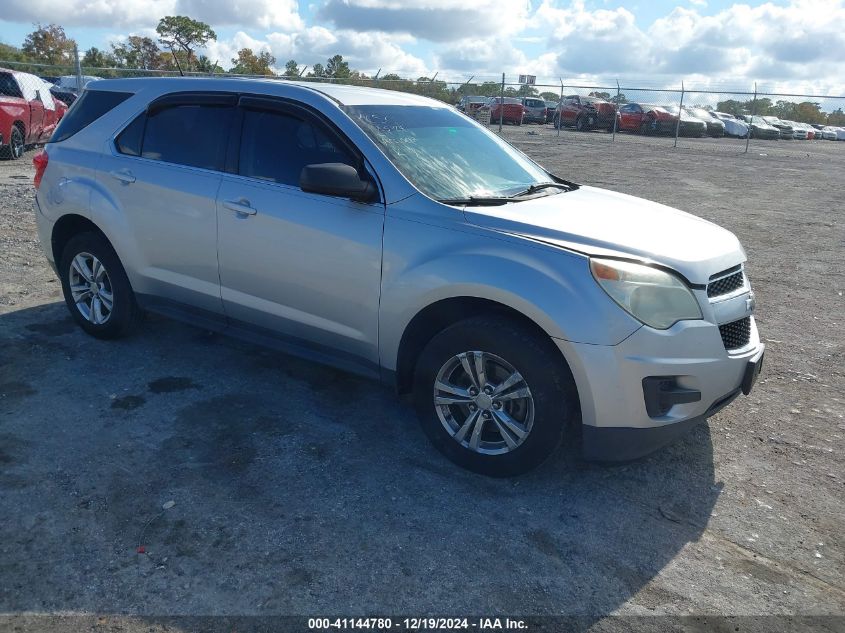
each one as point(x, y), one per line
point(336, 179)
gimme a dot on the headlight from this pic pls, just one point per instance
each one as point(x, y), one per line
point(650, 295)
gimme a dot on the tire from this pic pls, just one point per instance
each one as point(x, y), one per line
point(15, 149)
point(542, 416)
point(579, 124)
point(100, 321)
point(556, 122)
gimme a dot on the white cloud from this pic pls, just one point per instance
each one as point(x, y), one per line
point(434, 20)
point(280, 14)
point(366, 52)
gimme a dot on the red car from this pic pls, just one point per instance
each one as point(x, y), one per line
point(585, 113)
point(28, 112)
point(513, 110)
point(645, 119)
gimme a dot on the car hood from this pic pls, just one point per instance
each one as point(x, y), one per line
point(605, 223)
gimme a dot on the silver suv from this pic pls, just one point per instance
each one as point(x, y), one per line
point(392, 236)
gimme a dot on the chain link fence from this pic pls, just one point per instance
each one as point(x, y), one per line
point(659, 117)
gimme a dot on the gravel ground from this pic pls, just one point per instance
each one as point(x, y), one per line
point(302, 490)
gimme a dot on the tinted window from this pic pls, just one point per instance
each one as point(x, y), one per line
point(276, 146)
point(129, 141)
point(8, 86)
point(90, 106)
point(192, 135)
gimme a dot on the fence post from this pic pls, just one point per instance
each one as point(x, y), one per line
point(753, 111)
point(78, 67)
point(680, 114)
point(558, 107)
point(502, 104)
point(616, 111)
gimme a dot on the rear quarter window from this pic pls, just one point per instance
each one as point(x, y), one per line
point(9, 87)
point(90, 106)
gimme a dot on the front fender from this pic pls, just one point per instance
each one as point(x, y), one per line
point(424, 264)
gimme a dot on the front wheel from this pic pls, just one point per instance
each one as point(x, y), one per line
point(96, 289)
point(493, 395)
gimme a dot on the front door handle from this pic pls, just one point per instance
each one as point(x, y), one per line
point(123, 175)
point(241, 206)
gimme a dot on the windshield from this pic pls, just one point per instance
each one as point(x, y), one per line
point(444, 154)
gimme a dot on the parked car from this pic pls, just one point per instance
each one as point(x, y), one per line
point(469, 104)
point(535, 110)
point(715, 125)
point(833, 133)
point(733, 126)
point(798, 131)
point(507, 301)
point(28, 112)
point(585, 113)
point(551, 106)
point(786, 131)
point(760, 128)
point(690, 125)
point(512, 112)
point(70, 83)
point(645, 119)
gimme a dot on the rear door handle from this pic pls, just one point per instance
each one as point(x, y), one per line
point(123, 175)
point(241, 206)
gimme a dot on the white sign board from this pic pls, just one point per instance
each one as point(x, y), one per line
point(528, 79)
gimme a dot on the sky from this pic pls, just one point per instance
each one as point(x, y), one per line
point(785, 45)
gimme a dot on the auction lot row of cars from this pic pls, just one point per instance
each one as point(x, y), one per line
point(591, 113)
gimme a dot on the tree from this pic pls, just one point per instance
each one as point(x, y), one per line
point(549, 96)
point(95, 58)
point(291, 69)
point(48, 45)
point(600, 95)
point(248, 63)
point(527, 90)
point(390, 77)
point(337, 68)
point(179, 32)
point(317, 71)
point(137, 52)
point(619, 99)
point(205, 65)
point(837, 117)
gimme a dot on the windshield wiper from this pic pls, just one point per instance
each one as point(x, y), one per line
point(477, 201)
point(567, 186)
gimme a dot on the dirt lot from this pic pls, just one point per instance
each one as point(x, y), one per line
point(301, 490)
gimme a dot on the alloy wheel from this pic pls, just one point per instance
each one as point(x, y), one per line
point(483, 402)
point(91, 288)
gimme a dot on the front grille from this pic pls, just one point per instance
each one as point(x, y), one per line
point(725, 285)
point(736, 334)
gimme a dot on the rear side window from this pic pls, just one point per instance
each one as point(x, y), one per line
point(192, 135)
point(90, 106)
point(9, 87)
point(276, 146)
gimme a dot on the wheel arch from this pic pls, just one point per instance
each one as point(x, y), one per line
point(68, 226)
point(437, 316)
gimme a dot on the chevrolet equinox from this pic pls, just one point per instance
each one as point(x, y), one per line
point(390, 235)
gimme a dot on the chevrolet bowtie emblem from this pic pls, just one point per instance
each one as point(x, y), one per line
point(750, 302)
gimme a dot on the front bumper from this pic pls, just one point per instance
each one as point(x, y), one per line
point(616, 422)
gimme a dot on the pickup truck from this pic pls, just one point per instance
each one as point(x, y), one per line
point(28, 112)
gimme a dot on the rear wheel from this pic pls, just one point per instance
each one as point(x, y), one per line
point(580, 125)
point(493, 395)
point(15, 149)
point(96, 289)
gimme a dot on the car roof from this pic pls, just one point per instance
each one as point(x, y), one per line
point(341, 94)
